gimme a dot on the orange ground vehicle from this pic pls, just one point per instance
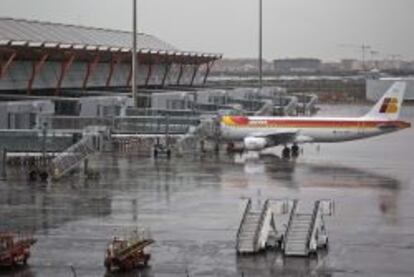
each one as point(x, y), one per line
point(128, 252)
point(15, 248)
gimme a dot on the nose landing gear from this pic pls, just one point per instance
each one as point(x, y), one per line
point(288, 152)
point(295, 150)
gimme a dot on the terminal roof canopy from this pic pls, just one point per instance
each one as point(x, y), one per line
point(25, 33)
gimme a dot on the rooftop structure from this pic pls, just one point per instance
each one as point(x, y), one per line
point(299, 65)
point(40, 55)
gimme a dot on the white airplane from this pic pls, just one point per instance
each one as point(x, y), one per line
point(258, 133)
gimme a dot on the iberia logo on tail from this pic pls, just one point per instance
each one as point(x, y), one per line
point(390, 105)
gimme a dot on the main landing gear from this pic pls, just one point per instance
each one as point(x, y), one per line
point(288, 152)
point(295, 150)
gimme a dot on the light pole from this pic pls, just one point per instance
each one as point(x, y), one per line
point(134, 53)
point(260, 43)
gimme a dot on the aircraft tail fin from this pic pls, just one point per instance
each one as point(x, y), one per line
point(389, 106)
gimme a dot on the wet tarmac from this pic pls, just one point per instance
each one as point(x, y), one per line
point(193, 206)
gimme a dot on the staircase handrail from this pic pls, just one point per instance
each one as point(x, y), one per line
point(260, 225)
point(312, 101)
point(87, 141)
point(72, 156)
point(293, 100)
point(292, 214)
point(315, 213)
point(198, 133)
point(246, 211)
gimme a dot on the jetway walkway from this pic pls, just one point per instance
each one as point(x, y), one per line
point(297, 229)
point(125, 124)
point(33, 140)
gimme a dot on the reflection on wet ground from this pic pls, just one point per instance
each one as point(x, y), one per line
point(193, 207)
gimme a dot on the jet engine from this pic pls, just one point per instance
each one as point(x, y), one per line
point(255, 143)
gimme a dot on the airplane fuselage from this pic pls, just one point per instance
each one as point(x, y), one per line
point(312, 129)
point(259, 132)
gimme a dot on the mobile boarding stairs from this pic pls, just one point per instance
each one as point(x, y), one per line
point(91, 143)
point(297, 229)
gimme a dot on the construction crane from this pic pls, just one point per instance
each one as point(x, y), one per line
point(374, 54)
point(362, 47)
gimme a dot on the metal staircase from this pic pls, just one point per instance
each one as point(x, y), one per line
point(296, 241)
point(254, 229)
point(306, 230)
point(70, 158)
point(189, 141)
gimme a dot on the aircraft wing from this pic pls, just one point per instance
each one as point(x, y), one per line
point(277, 138)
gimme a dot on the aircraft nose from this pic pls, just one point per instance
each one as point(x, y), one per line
point(404, 125)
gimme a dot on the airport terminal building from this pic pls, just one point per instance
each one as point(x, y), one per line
point(47, 56)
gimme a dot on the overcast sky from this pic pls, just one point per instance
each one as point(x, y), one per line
point(292, 28)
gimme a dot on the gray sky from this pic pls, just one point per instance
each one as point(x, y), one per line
point(292, 28)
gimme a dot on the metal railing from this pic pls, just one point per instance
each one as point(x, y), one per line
point(246, 211)
point(125, 124)
point(71, 157)
point(260, 225)
point(292, 214)
point(188, 141)
point(55, 122)
point(313, 222)
point(162, 112)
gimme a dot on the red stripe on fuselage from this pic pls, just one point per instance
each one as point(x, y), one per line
point(294, 123)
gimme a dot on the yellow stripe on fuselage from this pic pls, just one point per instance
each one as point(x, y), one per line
point(227, 120)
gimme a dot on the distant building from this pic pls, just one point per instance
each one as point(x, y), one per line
point(375, 88)
point(299, 65)
point(330, 67)
point(240, 66)
point(408, 66)
point(351, 65)
point(390, 64)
